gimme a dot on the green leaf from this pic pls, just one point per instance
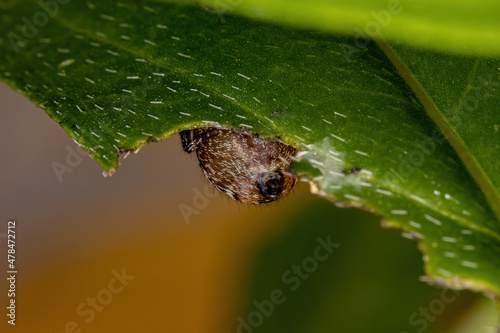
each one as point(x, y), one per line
point(117, 76)
point(466, 27)
point(466, 87)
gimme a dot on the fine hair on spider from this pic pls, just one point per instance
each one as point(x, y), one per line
point(242, 165)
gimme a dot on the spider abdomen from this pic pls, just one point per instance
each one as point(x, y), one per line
point(242, 165)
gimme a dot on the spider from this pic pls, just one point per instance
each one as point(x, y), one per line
point(241, 164)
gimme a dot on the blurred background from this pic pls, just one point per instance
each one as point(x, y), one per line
point(154, 249)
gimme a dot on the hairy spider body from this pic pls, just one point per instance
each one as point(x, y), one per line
point(242, 165)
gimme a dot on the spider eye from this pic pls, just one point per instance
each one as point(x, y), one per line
point(270, 184)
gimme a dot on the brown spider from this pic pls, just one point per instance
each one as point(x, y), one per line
point(242, 165)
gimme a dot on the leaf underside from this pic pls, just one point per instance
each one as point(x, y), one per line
point(118, 75)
